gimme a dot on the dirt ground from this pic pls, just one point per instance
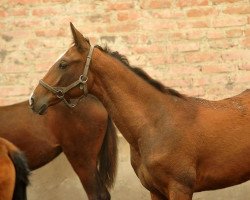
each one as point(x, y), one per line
point(57, 181)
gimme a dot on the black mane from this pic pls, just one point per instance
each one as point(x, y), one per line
point(141, 73)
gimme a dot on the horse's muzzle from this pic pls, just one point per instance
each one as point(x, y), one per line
point(37, 107)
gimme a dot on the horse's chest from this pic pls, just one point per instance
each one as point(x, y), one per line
point(140, 170)
point(145, 177)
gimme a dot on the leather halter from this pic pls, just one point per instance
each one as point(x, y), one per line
point(82, 82)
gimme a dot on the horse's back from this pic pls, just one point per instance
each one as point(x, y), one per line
point(223, 130)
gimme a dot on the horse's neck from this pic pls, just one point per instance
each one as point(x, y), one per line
point(132, 103)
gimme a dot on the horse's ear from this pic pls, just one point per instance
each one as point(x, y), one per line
point(78, 37)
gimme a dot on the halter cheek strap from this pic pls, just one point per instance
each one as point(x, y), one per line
point(82, 82)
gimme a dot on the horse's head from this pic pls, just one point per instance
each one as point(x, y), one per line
point(67, 78)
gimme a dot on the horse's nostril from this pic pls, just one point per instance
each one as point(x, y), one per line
point(31, 101)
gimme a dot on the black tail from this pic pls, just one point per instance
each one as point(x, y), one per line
point(22, 173)
point(108, 156)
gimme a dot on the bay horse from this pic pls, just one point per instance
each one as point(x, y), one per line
point(85, 134)
point(14, 172)
point(179, 144)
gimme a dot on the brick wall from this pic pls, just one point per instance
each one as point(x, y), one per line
point(199, 47)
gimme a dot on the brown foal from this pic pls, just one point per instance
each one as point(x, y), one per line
point(85, 134)
point(179, 145)
point(14, 172)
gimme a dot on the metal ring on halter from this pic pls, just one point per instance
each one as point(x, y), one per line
point(83, 79)
point(60, 94)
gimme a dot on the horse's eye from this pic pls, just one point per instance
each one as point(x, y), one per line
point(63, 64)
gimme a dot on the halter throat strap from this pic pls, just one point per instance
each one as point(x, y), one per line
point(82, 82)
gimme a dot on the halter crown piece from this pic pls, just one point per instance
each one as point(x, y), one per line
point(82, 82)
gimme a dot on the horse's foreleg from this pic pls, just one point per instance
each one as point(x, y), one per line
point(156, 196)
point(177, 191)
point(87, 172)
point(92, 183)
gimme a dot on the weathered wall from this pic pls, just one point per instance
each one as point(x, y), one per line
point(199, 47)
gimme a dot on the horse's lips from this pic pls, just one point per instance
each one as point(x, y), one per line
point(43, 109)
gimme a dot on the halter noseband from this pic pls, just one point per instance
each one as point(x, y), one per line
point(82, 82)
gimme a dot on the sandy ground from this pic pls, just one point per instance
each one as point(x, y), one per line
point(57, 181)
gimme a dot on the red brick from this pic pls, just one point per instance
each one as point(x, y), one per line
point(244, 9)
point(201, 12)
point(224, 1)
point(120, 6)
point(177, 36)
point(169, 58)
point(148, 49)
point(184, 69)
point(24, 1)
point(229, 21)
point(159, 37)
point(193, 24)
point(123, 27)
point(95, 18)
point(184, 46)
point(19, 12)
point(215, 34)
point(56, 1)
point(44, 12)
point(51, 33)
point(246, 43)
point(236, 55)
point(197, 57)
point(155, 4)
point(187, 3)
point(158, 25)
point(247, 32)
point(19, 34)
point(195, 34)
point(232, 33)
point(174, 58)
point(2, 25)
point(33, 44)
point(164, 14)
point(88, 29)
point(3, 13)
point(125, 15)
point(217, 68)
point(26, 23)
point(157, 60)
point(222, 44)
point(245, 66)
point(200, 24)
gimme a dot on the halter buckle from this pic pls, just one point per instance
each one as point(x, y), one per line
point(60, 94)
